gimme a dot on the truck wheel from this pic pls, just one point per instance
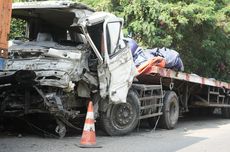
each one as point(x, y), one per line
point(170, 111)
point(122, 118)
point(226, 111)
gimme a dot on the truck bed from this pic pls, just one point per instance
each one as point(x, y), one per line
point(191, 89)
point(157, 72)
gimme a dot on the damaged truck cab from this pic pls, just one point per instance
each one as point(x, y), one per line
point(69, 56)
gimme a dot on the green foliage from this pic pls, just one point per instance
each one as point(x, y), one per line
point(17, 28)
point(198, 29)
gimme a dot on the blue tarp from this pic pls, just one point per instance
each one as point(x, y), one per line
point(139, 57)
point(172, 57)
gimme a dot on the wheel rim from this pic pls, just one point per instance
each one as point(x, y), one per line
point(123, 115)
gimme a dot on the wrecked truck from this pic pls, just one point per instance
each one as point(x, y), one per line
point(70, 55)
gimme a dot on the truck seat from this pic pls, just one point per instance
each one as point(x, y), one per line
point(44, 37)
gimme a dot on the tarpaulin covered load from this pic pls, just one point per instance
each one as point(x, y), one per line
point(172, 57)
point(162, 57)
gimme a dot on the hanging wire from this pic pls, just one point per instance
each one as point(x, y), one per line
point(158, 118)
point(38, 130)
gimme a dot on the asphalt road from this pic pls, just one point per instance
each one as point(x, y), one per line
point(199, 134)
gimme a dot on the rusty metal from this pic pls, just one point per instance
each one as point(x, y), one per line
point(193, 78)
point(150, 97)
point(5, 18)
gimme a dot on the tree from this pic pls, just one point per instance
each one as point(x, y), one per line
point(198, 29)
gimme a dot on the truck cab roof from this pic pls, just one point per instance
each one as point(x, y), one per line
point(59, 13)
point(50, 4)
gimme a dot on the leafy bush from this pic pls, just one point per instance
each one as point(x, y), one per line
point(198, 29)
point(17, 28)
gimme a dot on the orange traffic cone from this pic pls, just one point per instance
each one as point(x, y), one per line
point(88, 139)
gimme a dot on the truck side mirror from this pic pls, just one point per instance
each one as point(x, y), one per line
point(113, 30)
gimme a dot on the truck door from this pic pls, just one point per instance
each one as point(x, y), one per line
point(118, 60)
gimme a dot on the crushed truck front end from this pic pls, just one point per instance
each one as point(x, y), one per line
point(48, 72)
point(68, 56)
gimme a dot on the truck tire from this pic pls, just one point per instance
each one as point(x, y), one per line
point(226, 110)
point(170, 111)
point(122, 118)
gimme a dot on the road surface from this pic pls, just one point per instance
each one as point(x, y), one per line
point(203, 134)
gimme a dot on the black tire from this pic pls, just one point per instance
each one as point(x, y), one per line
point(226, 111)
point(122, 118)
point(170, 111)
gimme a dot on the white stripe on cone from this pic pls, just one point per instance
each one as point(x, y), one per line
point(89, 115)
point(89, 127)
